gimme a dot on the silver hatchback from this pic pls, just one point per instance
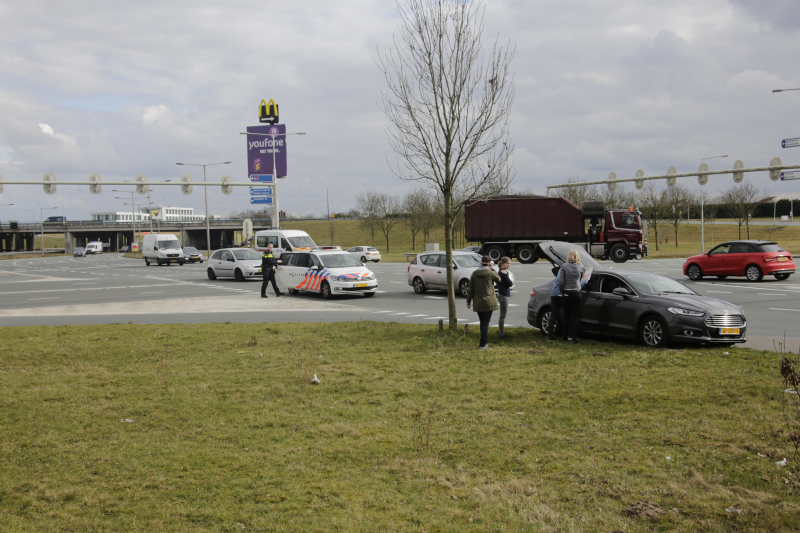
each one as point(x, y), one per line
point(428, 271)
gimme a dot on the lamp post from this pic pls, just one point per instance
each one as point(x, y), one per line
point(133, 210)
point(276, 218)
point(41, 221)
point(208, 228)
point(4, 211)
point(703, 209)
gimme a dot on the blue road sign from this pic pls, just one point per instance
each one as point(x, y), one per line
point(261, 200)
point(263, 191)
point(262, 178)
point(790, 143)
point(790, 175)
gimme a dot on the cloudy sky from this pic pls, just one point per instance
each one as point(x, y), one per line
point(602, 85)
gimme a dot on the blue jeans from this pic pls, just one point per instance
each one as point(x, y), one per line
point(485, 317)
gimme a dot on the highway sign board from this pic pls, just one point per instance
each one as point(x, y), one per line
point(261, 200)
point(790, 143)
point(262, 178)
point(790, 175)
point(261, 191)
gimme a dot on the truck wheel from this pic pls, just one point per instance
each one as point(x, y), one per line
point(463, 288)
point(495, 253)
point(419, 285)
point(525, 254)
point(619, 253)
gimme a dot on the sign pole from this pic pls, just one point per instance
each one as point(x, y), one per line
point(276, 214)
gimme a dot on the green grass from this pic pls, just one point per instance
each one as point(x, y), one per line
point(410, 430)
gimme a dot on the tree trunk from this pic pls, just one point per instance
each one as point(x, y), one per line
point(747, 223)
point(740, 231)
point(655, 230)
point(414, 241)
point(448, 246)
point(387, 242)
point(676, 235)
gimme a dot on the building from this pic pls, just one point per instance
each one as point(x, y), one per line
point(118, 216)
point(174, 214)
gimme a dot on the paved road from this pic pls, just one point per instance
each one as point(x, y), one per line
point(111, 289)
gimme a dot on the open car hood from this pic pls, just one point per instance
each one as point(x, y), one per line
point(556, 252)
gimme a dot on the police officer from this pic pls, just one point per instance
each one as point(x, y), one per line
point(268, 266)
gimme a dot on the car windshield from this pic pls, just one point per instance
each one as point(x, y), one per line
point(169, 245)
point(655, 284)
point(339, 261)
point(467, 261)
point(301, 242)
point(190, 250)
point(246, 254)
point(770, 247)
point(560, 251)
point(78, 249)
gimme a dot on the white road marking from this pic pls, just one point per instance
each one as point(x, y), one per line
point(436, 297)
point(777, 309)
point(435, 317)
point(153, 292)
point(86, 283)
point(398, 314)
point(53, 298)
point(770, 294)
point(415, 316)
point(513, 305)
point(379, 312)
point(721, 292)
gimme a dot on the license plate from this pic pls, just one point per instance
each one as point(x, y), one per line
point(259, 271)
point(783, 259)
point(730, 331)
point(360, 285)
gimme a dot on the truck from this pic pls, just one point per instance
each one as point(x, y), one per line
point(513, 226)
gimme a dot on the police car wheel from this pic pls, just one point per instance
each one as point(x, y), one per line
point(293, 291)
point(325, 290)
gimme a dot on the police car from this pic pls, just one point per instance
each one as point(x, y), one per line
point(327, 272)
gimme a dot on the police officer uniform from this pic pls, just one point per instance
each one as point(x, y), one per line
point(268, 264)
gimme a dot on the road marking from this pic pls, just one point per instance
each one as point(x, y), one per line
point(435, 317)
point(398, 314)
point(743, 287)
point(721, 292)
point(769, 294)
point(153, 292)
point(415, 316)
point(395, 282)
point(378, 312)
point(86, 283)
point(778, 309)
point(513, 305)
point(436, 297)
point(54, 298)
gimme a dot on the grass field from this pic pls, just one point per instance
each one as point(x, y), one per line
point(215, 427)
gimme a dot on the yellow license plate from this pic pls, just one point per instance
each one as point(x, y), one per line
point(783, 259)
point(730, 331)
point(259, 271)
point(361, 285)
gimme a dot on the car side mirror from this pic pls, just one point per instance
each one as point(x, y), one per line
point(232, 260)
point(621, 291)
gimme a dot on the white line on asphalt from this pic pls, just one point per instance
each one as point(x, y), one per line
point(415, 316)
point(378, 312)
point(777, 309)
point(86, 283)
point(743, 287)
point(435, 317)
point(436, 297)
point(153, 292)
point(395, 282)
point(721, 292)
point(398, 314)
point(513, 305)
point(53, 298)
point(770, 294)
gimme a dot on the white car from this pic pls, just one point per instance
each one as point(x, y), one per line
point(365, 253)
point(429, 271)
point(238, 263)
point(327, 272)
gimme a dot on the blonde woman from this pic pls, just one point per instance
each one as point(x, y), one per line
point(571, 278)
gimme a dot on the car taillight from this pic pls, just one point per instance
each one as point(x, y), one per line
point(409, 268)
point(768, 259)
point(533, 293)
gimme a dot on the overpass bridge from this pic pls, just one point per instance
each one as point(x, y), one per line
point(19, 236)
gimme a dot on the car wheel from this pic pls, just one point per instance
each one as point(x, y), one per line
point(146, 262)
point(653, 332)
point(238, 275)
point(781, 277)
point(525, 255)
point(181, 263)
point(545, 318)
point(201, 261)
point(363, 259)
point(495, 253)
point(463, 288)
point(753, 273)
point(293, 292)
point(619, 253)
point(377, 260)
point(369, 294)
point(211, 274)
point(694, 272)
point(325, 289)
point(159, 262)
point(419, 286)
point(721, 277)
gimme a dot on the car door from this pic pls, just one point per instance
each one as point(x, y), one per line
point(287, 276)
point(436, 271)
point(617, 313)
point(716, 262)
point(225, 264)
point(737, 259)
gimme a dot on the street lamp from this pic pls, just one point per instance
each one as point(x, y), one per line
point(41, 221)
point(133, 214)
point(4, 211)
point(205, 192)
point(781, 90)
point(276, 218)
point(702, 210)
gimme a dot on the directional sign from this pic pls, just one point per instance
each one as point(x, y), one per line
point(261, 200)
point(263, 191)
point(790, 143)
point(262, 178)
point(791, 175)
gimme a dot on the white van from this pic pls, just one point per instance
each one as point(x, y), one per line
point(285, 240)
point(163, 249)
point(94, 248)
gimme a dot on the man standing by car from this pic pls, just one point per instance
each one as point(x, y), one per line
point(268, 266)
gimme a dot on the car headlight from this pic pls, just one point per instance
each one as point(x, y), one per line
point(339, 278)
point(685, 312)
point(370, 277)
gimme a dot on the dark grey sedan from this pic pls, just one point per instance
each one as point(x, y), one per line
point(655, 309)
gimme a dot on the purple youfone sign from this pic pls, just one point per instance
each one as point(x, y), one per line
point(262, 148)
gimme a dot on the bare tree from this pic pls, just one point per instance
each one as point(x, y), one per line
point(418, 207)
point(388, 214)
point(710, 211)
point(740, 201)
point(619, 198)
point(367, 207)
point(677, 201)
point(448, 108)
point(650, 202)
point(580, 194)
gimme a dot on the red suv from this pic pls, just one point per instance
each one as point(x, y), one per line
point(752, 259)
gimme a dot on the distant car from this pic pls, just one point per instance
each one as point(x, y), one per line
point(94, 248)
point(428, 271)
point(125, 249)
point(238, 263)
point(475, 249)
point(55, 220)
point(192, 254)
point(365, 253)
point(753, 259)
point(79, 252)
point(653, 308)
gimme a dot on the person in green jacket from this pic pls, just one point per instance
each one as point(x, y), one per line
point(481, 290)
